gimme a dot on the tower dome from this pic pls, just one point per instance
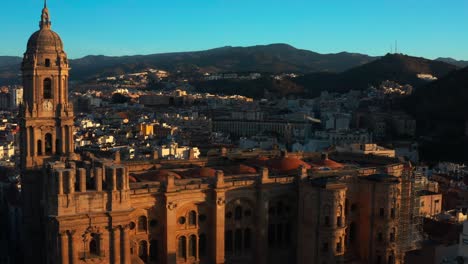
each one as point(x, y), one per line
point(45, 40)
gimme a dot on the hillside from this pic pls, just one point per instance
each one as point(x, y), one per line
point(459, 63)
point(9, 60)
point(444, 99)
point(441, 114)
point(272, 58)
point(397, 67)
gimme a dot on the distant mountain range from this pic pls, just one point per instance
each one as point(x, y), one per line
point(396, 67)
point(274, 58)
point(333, 72)
point(459, 63)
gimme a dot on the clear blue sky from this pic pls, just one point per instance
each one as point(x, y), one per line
point(428, 28)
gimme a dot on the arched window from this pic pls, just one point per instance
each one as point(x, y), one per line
point(154, 250)
point(238, 240)
point(238, 213)
point(47, 62)
point(391, 259)
point(47, 88)
point(193, 246)
point(143, 250)
point(279, 234)
point(48, 144)
point(352, 232)
point(247, 239)
point(271, 235)
point(228, 241)
point(39, 147)
point(142, 223)
point(392, 235)
point(193, 218)
point(202, 246)
point(279, 208)
point(287, 233)
point(93, 247)
point(182, 248)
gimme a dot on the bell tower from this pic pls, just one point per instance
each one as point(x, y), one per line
point(46, 114)
point(46, 130)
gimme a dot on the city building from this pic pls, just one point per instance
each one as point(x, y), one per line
point(367, 149)
point(274, 208)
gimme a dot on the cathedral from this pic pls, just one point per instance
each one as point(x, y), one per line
point(277, 207)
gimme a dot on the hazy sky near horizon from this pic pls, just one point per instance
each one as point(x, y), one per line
point(427, 28)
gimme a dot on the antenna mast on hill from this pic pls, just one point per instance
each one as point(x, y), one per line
point(396, 46)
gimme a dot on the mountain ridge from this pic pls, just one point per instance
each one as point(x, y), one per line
point(396, 67)
point(272, 58)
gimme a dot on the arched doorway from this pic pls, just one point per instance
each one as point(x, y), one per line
point(48, 144)
point(154, 251)
point(143, 250)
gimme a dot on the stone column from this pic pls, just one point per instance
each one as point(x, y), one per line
point(43, 142)
point(82, 176)
point(98, 179)
point(219, 220)
point(59, 182)
point(74, 259)
point(171, 222)
point(62, 140)
point(125, 245)
point(64, 257)
point(115, 245)
point(261, 250)
point(114, 179)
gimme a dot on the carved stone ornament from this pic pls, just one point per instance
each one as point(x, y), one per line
point(221, 201)
point(171, 206)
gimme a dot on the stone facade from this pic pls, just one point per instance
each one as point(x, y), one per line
point(296, 208)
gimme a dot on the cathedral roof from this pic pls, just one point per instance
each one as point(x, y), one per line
point(328, 163)
point(286, 164)
point(160, 175)
point(45, 39)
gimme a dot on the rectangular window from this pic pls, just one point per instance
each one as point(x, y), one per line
point(382, 212)
point(325, 247)
point(380, 237)
point(47, 62)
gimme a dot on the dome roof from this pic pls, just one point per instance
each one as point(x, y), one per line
point(243, 169)
point(328, 163)
point(160, 175)
point(285, 164)
point(259, 161)
point(45, 40)
point(207, 172)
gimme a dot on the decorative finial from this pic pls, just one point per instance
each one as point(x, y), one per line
point(45, 18)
